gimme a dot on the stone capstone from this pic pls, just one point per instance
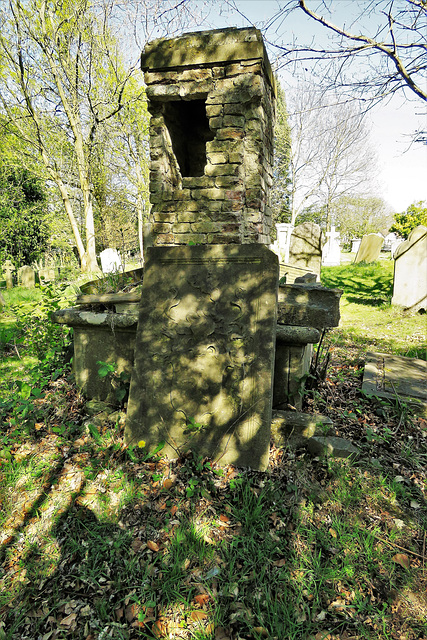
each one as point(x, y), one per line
point(332, 447)
point(308, 305)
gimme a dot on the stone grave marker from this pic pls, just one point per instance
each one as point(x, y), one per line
point(47, 274)
point(388, 376)
point(355, 244)
point(26, 277)
point(284, 231)
point(410, 271)
point(370, 248)
point(204, 352)
point(110, 261)
point(305, 249)
point(8, 269)
point(331, 254)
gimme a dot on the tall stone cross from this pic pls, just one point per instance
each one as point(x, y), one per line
point(332, 235)
point(331, 254)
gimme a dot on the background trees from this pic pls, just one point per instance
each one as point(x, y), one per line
point(24, 220)
point(414, 215)
point(373, 49)
point(357, 215)
point(63, 80)
point(331, 154)
point(281, 189)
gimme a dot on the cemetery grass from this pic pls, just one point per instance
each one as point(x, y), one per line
point(101, 541)
point(367, 313)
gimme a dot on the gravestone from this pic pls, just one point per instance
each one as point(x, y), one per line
point(370, 248)
point(284, 232)
point(47, 274)
point(410, 271)
point(204, 352)
point(305, 249)
point(26, 277)
point(355, 244)
point(389, 376)
point(331, 254)
point(110, 261)
point(8, 269)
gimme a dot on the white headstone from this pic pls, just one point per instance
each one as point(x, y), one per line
point(284, 232)
point(331, 252)
point(110, 261)
point(355, 244)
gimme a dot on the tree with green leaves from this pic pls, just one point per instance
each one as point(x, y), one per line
point(281, 188)
point(24, 220)
point(415, 215)
point(356, 215)
point(63, 78)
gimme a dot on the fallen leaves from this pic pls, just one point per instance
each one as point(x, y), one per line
point(153, 546)
point(401, 559)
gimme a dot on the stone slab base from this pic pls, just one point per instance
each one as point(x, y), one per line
point(388, 376)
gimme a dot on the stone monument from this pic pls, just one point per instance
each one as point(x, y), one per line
point(204, 352)
point(110, 261)
point(331, 254)
point(355, 244)
point(370, 248)
point(205, 342)
point(211, 99)
point(305, 249)
point(47, 274)
point(284, 231)
point(8, 269)
point(410, 271)
point(27, 277)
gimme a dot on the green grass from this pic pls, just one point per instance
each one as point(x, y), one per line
point(367, 317)
point(101, 542)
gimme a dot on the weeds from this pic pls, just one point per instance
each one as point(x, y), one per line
point(100, 540)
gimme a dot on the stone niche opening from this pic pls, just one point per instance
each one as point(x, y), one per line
point(188, 127)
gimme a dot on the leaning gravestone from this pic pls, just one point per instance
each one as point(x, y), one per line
point(331, 254)
point(110, 261)
point(204, 352)
point(370, 248)
point(26, 277)
point(410, 271)
point(305, 249)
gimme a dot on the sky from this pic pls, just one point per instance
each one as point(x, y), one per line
point(402, 166)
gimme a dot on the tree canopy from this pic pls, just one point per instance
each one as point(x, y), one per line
point(24, 225)
point(375, 49)
point(415, 215)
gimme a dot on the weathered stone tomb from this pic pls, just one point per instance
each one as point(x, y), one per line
point(205, 356)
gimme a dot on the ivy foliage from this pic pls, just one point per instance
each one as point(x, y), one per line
point(24, 228)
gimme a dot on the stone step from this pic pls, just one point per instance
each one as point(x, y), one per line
point(294, 429)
